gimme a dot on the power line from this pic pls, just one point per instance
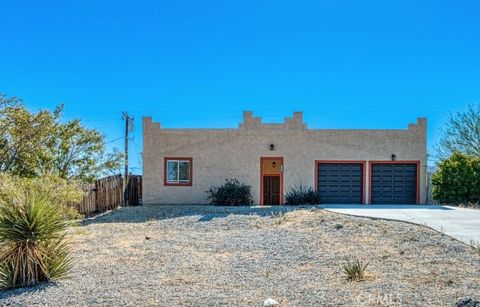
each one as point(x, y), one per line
point(138, 150)
point(114, 140)
point(324, 107)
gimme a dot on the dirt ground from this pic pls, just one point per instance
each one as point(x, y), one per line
point(204, 255)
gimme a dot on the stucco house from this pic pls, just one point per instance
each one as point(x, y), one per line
point(344, 166)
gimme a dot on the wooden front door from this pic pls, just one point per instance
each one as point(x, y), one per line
point(271, 190)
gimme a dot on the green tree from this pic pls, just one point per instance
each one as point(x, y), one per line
point(462, 134)
point(457, 180)
point(79, 153)
point(36, 144)
point(25, 137)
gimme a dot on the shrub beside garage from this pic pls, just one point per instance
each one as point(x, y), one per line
point(457, 180)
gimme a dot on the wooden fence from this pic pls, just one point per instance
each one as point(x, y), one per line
point(134, 190)
point(108, 193)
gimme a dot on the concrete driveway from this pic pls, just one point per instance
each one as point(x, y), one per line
point(460, 223)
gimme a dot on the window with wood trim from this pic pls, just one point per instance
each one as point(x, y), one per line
point(178, 171)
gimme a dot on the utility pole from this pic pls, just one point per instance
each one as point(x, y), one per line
point(128, 127)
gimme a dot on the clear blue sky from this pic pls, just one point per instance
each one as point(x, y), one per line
point(345, 64)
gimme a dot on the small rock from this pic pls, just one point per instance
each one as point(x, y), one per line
point(270, 302)
point(148, 238)
point(338, 226)
point(468, 302)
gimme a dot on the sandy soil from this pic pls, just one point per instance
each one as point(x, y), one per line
point(204, 255)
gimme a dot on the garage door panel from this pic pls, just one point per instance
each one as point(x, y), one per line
point(412, 190)
point(394, 183)
point(387, 178)
point(340, 182)
point(387, 168)
point(411, 168)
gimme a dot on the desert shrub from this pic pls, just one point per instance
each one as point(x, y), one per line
point(302, 195)
point(457, 180)
point(355, 270)
point(278, 218)
point(63, 194)
point(231, 193)
point(32, 245)
point(475, 245)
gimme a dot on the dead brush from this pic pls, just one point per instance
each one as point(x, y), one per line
point(355, 269)
point(475, 245)
point(257, 222)
point(278, 218)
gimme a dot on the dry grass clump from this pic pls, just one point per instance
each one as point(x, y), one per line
point(475, 245)
point(279, 218)
point(298, 218)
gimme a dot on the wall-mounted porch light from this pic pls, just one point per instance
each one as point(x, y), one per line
point(272, 147)
point(394, 157)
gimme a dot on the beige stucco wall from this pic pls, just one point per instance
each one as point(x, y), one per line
point(235, 153)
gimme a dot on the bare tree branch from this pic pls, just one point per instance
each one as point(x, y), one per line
point(462, 134)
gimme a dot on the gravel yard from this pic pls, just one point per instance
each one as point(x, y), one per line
point(204, 255)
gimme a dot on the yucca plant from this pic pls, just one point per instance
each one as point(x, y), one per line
point(32, 240)
point(354, 270)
